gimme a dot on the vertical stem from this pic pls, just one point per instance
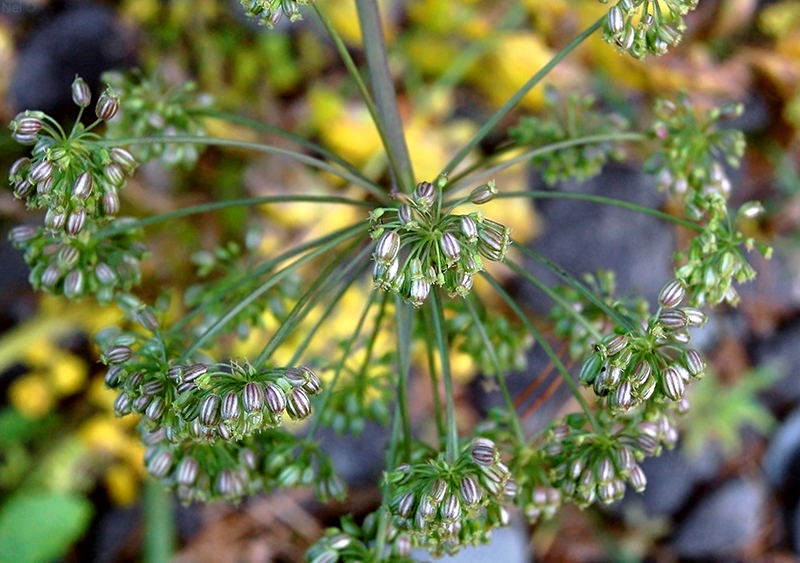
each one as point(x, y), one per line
point(159, 525)
point(404, 319)
point(451, 451)
point(383, 90)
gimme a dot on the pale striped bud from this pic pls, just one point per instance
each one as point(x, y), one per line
point(117, 354)
point(694, 316)
point(40, 172)
point(252, 396)
point(450, 247)
point(107, 104)
point(155, 409)
point(672, 294)
point(230, 406)
point(673, 383)
point(451, 508)
point(615, 21)
point(124, 158)
point(274, 398)
point(470, 490)
point(406, 505)
point(483, 193)
point(672, 318)
point(484, 452)
point(76, 221)
point(209, 410)
point(387, 248)
point(469, 228)
point(425, 195)
point(187, 471)
point(81, 95)
point(160, 464)
point(82, 187)
point(637, 479)
point(298, 406)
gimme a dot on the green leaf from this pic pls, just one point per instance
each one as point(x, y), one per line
point(40, 527)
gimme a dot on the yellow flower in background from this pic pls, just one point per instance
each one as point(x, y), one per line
point(31, 395)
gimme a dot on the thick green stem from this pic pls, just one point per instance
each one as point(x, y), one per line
point(451, 450)
point(404, 316)
point(517, 97)
point(362, 88)
point(383, 89)
point(537, 334)
point(159, 524)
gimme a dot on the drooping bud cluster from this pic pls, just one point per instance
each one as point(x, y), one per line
point(420, 246)
point(689, 164)
point(560, 124)
point(442, 507)
point(76, 180)
point(588, 466)
point(270, 12)
point(632, 367)
point(156, 109)
point(691, 152)
point(639, 27)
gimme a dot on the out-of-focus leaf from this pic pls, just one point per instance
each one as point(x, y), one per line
point(40, 527)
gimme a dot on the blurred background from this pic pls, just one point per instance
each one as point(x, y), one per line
point(71, 474)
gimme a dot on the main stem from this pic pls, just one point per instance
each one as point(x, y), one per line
point(451, 451)
point(383, 90)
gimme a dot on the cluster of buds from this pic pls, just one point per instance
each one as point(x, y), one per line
point(591, 466)
point(688, 161)
point(420, 246)
point(76, 180)
point(714, 259)
point(562, 124)
point(632, 367)
point(203, 402)
point(353, 543)
point(642, 27)
point(442, 507)
point(155, 109)
point(201, 472)
point(270, 12)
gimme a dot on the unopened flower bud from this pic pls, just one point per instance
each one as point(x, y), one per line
point(124, 158)
point(117, 354)
point(76, 221)
point(694, 362)
point(111, 202)
point(425, 195)
point(469, 228)
point(484, 452)
point(483, 193)
point(694, 316)
point(387, 248)
point(26, 125)
point(40, 172)
point(298, 405)
point(450, 247)
point(405, 214)
point(82, 187)
point(672, 318)
point(21, 234)
point(187, 471)
point(275, 398)
point(73, 284)
point(673, 384)
point(616, 21)
point(107, 104)
point(114, 174)
point(470, 490)
point(81, 95)
point(419, 292)
point(230, 406)
point(672, 294)
point(209, 410)
point(160, 464)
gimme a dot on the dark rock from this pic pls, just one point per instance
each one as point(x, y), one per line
point(672, 478)
point(583, 237)
point(781, 353)
point(781, 461)
point(723, 522)
point(86, 40)
point(358, 459)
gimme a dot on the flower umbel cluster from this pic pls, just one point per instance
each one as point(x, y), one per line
point(639, 27)
point(421, 245)
point(154, 109)
point(655, 362)
point(568, 118)
point(269, 12)
point(76, 179)
point(442, 506)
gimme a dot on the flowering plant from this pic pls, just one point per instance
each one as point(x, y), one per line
point(213, 419)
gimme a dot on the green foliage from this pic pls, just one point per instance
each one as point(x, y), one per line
point(36, 527)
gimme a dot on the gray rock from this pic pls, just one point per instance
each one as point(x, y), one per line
point(358, 459)
point(783, 452)
point(508, 545)
point(781, 353)
point(583, 237)
point(723, 523)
